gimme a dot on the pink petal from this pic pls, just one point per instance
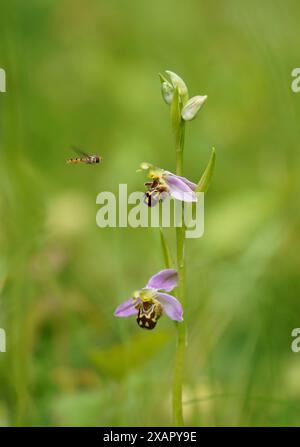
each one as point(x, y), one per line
point(165, 279)
point(171, 305)
point(179, 189)
point(190, 184)
point(126, 309)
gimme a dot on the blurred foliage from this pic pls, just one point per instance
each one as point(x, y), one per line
point(85, 73)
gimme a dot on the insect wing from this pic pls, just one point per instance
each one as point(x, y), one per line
point(80, 152)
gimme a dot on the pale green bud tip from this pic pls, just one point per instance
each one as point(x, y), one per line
point(145, 166)
point(167, 91)
point(192, 107)
point(178, 82)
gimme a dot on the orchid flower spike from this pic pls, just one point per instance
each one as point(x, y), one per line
point(164, 183)
point(149, 303)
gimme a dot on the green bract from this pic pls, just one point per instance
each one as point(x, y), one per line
point(204, 182)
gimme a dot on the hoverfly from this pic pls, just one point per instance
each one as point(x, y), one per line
point(84, 158)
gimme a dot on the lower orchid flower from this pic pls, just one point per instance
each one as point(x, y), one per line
point(149, 303)
point(164, 183)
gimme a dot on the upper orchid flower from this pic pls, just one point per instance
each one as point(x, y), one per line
point(150, 303)
point(164, 183)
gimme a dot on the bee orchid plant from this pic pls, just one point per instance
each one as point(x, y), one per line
point(151, 302)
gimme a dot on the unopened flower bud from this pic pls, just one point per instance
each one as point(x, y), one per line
point(192, 107)
point(167, 92)
point(179, 83)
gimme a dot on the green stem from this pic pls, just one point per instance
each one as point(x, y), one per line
point(181, 328)
point(179, 147)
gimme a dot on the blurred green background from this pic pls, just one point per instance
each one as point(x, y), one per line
point(85, 72)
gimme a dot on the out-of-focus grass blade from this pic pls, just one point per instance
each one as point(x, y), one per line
point(121, 358)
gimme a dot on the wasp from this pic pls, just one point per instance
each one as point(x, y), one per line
point(84, 158)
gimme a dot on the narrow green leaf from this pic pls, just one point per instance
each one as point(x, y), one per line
point(165, 249)
point(205, 180)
